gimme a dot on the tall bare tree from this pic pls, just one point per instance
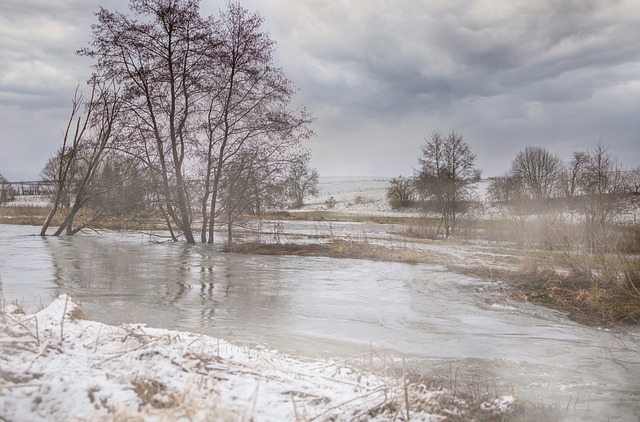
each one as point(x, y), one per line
point(197, 92)
point(447, 168)
point(247, 104)
point(573, 172)
point(602, 186)
point(159, 60)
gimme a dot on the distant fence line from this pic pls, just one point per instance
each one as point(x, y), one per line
point(39, 187)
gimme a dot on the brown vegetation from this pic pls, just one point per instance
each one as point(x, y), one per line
point(336, 248)
point(23, 214)
point(596, 294)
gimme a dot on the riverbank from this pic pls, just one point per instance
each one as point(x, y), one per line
point(56, 365)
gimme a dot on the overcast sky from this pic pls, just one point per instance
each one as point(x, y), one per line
point(379, 75)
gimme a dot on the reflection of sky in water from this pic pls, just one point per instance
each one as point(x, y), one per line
point(319, 306)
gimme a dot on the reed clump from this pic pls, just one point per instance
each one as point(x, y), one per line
point(593, 289)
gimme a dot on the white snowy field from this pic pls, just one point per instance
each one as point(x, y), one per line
point(29, 200)
point(367, 196)
point(352, 195)
point(363, 196)
point(56, 366)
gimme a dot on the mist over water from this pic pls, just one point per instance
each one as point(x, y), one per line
point(322, 307)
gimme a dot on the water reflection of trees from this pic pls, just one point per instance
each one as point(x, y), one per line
point(171, 285)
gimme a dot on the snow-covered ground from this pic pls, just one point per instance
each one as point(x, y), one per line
point(363, 196)
point(56, 366)
point(352, 195)
point(29, 200)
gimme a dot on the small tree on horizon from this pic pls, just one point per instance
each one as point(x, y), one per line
point(539, 172)
point(302, 182)
point(400, 192)
point(447, 169)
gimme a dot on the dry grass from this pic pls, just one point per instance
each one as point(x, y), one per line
point(336, 248)
point(454, 395)
point(596, 291)
point(23, 214)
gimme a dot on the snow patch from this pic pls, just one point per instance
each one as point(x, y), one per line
point(56, 366)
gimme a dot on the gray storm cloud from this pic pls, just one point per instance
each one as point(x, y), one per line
point(380, 76)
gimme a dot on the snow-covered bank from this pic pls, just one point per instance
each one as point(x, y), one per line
point(56, 366)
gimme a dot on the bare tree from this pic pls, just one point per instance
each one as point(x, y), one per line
point(76, 166)
point(7, 192)
point(247, 104)
point(400, 192)
point(602, 187)
point(447, 168)
point(573, 172)
point(59, 170)
point(302, 182)
point(539, 171)
point(159, 61)
point(197, 92)
point(632, 181)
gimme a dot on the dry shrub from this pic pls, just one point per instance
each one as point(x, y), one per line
point(153, 393)
point(455, 396)
point(77, 313)
point(422, 229)
point(23, 214)
point(597, 290)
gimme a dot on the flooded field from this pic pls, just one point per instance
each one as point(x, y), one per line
point(321, 307)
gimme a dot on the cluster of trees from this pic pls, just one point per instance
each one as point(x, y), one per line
point(592, 185)
point(537, 185)
point(188, 118)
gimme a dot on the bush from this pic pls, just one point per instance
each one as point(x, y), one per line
point(400, 192)
point(330, 203)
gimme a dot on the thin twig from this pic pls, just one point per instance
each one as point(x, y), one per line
point(95, 349)
point(295, 407)
point(9, 387)
point(64, 312)
point(406, 387)
point(37, 332)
